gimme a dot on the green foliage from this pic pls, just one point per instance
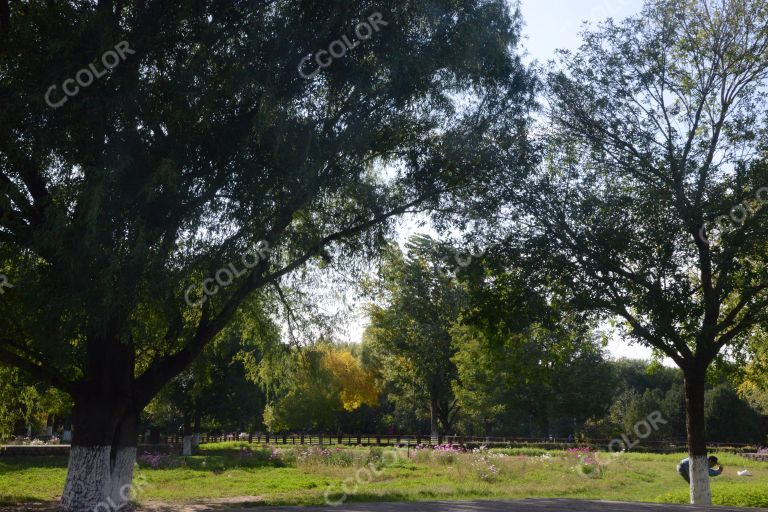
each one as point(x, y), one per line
point(731, 419)
point(409, 337)
point(750, 371)
point(216, 392)
point(27, 404)
point(204, 144)
point(630, 184)
point(647, 207)
point(314, 388)
point(306, 397)
point(543, 374)
point(527, 364)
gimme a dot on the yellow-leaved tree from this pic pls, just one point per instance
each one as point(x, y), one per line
point(317, 386)
point(356, 385)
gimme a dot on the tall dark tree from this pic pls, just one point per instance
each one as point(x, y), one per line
point(410, 329)
point(536, 377)
point(650, 200)
point(151, 151)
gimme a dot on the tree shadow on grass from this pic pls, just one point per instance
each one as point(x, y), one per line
point(216, 463)
point(240, 503)
point(26, 503)
point(12, 464)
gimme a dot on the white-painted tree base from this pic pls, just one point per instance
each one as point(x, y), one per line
point(96, 484)
point(122, 476)
point(186, 449)
point(699, 471)
point(88, 479)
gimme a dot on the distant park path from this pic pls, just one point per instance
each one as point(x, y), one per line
point(552, 505)
point(533, 505)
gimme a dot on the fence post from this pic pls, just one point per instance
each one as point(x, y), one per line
point(250, 438)
point(302, 438)
point(266, 438)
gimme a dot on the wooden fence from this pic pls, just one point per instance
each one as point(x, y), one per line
point(666, 446)
point(172, 444)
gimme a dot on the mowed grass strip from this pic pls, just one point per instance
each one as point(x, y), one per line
point(426, 475)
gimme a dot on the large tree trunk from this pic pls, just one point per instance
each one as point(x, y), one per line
point(123, 458)
point(186, 443)
point(697, 441)
point(446, 416)
point(196, 431)
point(433, 429)
point(102, 456)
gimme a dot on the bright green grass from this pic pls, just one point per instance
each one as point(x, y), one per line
point(627, 477)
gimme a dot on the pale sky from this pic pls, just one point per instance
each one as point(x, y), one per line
point(555, 24)
point(550, 25)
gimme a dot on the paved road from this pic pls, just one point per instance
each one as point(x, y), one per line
point(554, 505)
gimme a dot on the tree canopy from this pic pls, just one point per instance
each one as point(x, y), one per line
point(138, 217)
point(648, 203)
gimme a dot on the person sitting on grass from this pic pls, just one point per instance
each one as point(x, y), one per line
point(684, 468)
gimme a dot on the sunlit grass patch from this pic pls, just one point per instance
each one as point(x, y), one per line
point(302, 476)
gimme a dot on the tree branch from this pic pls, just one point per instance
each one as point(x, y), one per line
point(163, 370)
point(38, 371)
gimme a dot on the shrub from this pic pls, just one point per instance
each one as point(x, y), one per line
point(375, 456)
point(587, 463)
point(341, 457)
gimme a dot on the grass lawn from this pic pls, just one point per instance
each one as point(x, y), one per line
point(302, 476)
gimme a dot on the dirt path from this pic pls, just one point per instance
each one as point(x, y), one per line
point(553, 505)
point(252, 504)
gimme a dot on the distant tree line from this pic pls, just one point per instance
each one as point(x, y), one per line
point(444, 353)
